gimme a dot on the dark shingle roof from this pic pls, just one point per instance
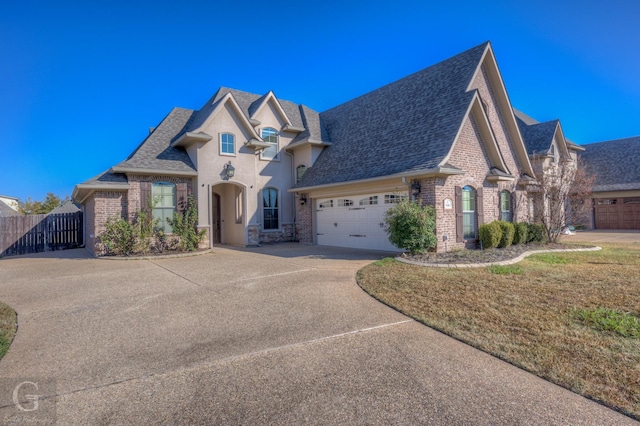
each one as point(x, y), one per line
point(537, 137)
point(6, 211)
point(66, 207)
point(408, 125)
point(614, 164)
point(156, 152)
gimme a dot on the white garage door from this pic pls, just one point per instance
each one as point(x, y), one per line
point(355, 221)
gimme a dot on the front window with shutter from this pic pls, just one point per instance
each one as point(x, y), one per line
point(469, 212)
point(164, 204)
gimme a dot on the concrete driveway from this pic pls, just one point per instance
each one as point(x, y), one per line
point(603, 236)
point(274, 335)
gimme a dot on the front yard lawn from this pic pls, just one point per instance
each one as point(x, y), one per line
point(571, 318)
point(8, 325)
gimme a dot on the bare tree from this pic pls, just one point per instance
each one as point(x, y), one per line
point(561, 197)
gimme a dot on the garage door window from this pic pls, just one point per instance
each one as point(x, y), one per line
point(270, 208)
point(326, 204)
point(394, 199)
point(345, 203)
point(369, 201)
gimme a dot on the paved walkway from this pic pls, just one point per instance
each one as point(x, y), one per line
point(281, 334)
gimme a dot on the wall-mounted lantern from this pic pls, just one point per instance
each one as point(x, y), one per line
point(415, 189)
point(303, 199)
point(229, 170)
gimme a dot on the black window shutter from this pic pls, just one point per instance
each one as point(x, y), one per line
point(145, 196)
point(480, 207)
point(181, 197)
point(459, 231)
point(514, 197)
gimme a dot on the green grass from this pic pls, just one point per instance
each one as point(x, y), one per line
point(551, 258)
point(540, 314)
point(8, 326)
point(625, 324)
point(506, 269)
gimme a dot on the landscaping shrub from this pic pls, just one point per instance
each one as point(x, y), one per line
point(119, 237)
point(507, 233)
point(411, 226)
point(536, 233)
point(521, 233)
point(185, 225)
point(490, 234)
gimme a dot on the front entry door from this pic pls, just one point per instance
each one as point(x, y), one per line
point(216, 219)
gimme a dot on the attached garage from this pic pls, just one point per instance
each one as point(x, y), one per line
point(617, 213)
point(355, 221)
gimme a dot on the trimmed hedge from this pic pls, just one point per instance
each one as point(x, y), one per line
point(507, 233)
point(536, 233)
point(490, 234)
point(521, 234)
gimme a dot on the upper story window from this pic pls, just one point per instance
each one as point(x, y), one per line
point(270, 136)
point(300, 170)
point(164, 204)
point(227, 144)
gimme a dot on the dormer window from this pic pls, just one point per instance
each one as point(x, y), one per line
point(270, 136)
point(300, 170)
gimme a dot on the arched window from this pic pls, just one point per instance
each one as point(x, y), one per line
point(505, 206)
point(227, 144)
point(300, 172)
point(270, 136)
point(164, 204)
point(270, 208)
point(469, 212)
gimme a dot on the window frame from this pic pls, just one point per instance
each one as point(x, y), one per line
point(275, 210)
point(299, 175)
point(506, 215)
point(221, 144)
point(276, 144)
point(171, 210)
point(469, 217)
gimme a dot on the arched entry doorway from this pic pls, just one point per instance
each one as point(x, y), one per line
point(228, 213)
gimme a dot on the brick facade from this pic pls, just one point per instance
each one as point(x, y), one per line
point(304, 224)
point(101, 206)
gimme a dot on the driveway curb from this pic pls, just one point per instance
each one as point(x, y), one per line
point(502, 262)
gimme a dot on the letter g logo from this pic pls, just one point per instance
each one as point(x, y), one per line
point(32, 398)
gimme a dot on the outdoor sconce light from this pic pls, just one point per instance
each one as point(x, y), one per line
point(229, 170)
point(415, 188)
point(303, 199)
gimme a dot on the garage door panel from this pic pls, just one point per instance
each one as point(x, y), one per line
point(358, 225)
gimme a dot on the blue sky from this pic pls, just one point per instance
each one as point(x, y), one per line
point(82, 82)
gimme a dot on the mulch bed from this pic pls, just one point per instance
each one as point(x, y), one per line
point(487, 256)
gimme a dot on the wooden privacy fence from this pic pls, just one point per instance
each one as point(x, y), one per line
point(40, 232)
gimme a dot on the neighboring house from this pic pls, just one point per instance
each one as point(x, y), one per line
point(8, 206)
point(66, 207)
point(616, 191)
point(264, 169)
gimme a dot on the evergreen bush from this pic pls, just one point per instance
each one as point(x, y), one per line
point(411, 226)
point(490, 234)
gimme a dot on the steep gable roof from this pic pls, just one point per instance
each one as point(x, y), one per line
point(614, 164)
point(380, 133)
point(156, 154)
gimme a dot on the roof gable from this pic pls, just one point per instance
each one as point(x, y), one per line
point(489, 64)
point(257, 106)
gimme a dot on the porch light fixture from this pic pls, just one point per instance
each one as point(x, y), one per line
point(229, 170)
point(303, 199)
point(415, 189)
